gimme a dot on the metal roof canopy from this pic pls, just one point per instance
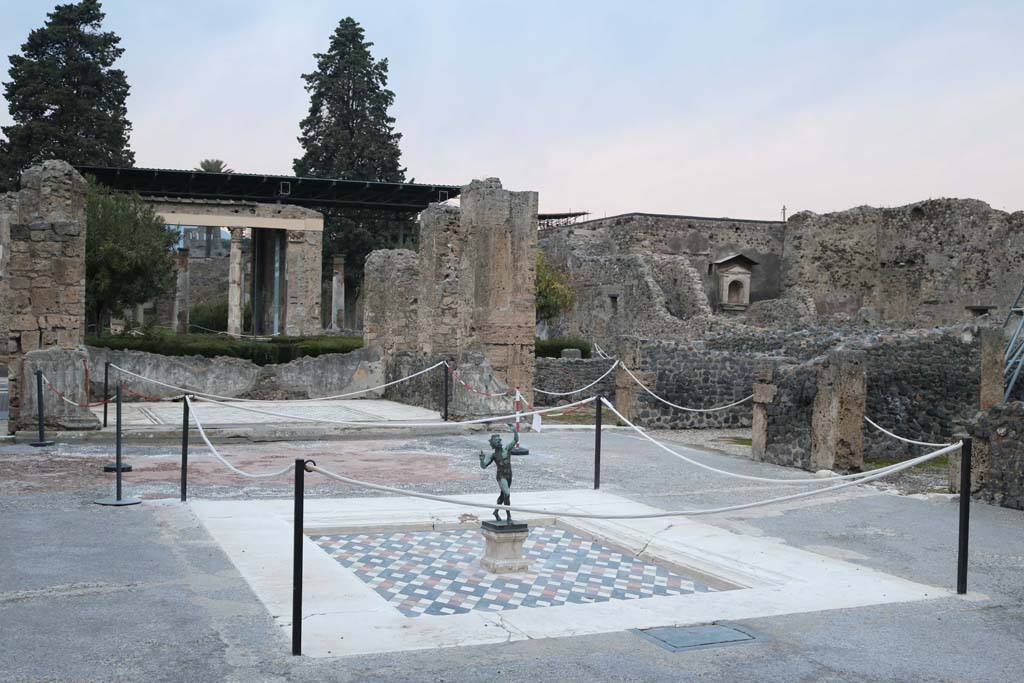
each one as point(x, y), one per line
point(309, 192)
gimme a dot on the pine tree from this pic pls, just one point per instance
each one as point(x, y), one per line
point(349, 134)
point(66, 99)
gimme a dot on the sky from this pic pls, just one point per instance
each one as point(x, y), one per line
point(703, 108)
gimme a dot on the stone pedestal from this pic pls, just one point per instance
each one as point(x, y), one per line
point(503, 553)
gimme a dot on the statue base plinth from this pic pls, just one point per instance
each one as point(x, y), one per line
point(503, 552)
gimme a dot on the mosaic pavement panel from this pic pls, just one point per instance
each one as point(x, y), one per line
point(437, 572)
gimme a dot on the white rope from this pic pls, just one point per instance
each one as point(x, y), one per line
point(385, 423)
point(202, 433)
point(767, 480)
point(576, 391)
point(689, 410)
point(897, 436)
point(260, 400)
point(648, 515)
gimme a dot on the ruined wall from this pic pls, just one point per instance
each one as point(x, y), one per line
point(567, 374)
point(999, 448)
point(302, 282)
point(46, 271)
point(208, 279)
point(469, 290)
point(915, 264)
point(658, 270)
point(391, 286)
point(326, 375)
point(8, 209)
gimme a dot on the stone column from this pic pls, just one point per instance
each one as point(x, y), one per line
point(764, 395)
point(837, 422)
point(991, 386)
point(626, 390)
point(338, 293)
point(46, 278)
point(501, 228)
point(302, 265)
point(181, 293)
point(235, 306)
point(8, 208)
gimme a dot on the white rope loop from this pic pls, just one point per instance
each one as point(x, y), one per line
point(576, 391)
point(878, 474)
point(901, 438)
point(766, 480)
point(251, 475)
point(679, 407)
point(260, 400)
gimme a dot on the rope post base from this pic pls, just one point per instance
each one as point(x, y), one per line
point(117, 500)
point(42, 418)
point(965, 516)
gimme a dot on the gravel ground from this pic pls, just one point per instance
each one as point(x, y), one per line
point(89, 593)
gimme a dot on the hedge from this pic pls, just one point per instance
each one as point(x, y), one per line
point(552, 348)
point(276, 350)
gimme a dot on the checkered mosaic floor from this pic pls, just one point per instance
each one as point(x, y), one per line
point(437, 572)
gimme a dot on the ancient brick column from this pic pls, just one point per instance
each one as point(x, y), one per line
point(235, 285)
point(338, 293)
point(181, 292)
point(46, 276)
point(837, 422)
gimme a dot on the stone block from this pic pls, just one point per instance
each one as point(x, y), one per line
point(503, 550)
point(574, 354)
point(765, 393)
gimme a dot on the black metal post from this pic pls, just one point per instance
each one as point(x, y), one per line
point(447, 379)
point(300, 492)
point(106, 390)
point(597, 443)
point(119, 469)
point(184, 450)
point(42, 418)
point(965, 515)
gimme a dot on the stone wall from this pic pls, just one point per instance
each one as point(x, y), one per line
point(567, 374)
point(998, 455)
point(8, 210)
point(650, 275)
point(46, 271)
point(208, 279)
point(468, 294)
point(325, 375)
point(788, 414)
point(916, 264)
point(693, 378)
point(427, 390)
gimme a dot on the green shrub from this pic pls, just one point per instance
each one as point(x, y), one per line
point(212, 316)
point(277, 350)
point(552, 348)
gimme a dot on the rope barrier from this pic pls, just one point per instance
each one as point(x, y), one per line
point(648, 515)
point(183, 390)
point(767, 480)
point(64, 398)
point(576, 391)
point(482, 420)
point(901, 438)
point(251, 475)
point(455, 374)
point(679, 407)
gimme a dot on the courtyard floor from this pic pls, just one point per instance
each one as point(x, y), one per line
point(158, 591)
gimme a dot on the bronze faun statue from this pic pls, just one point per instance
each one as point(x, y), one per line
point(502, 459)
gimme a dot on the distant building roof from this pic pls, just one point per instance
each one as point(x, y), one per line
point(737, 257)
point(253, 187)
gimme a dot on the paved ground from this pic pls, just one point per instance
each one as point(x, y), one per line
point(89, 593)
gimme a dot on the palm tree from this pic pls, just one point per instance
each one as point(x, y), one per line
point(213, 166)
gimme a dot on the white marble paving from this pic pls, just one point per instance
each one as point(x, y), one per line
point(343, 616)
